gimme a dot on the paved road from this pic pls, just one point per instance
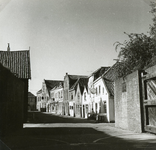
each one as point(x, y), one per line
point(75, 134)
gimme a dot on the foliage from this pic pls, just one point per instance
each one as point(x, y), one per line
point(153, 27)
point(138, 51)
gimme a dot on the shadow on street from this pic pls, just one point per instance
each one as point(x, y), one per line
point(39, 117)
point(41, 137)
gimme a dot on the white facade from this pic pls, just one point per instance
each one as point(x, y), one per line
point(56, 100)
point(72, 103)
point(86, 103)
point(38, 101)
point(102, 102)
point(78, 102)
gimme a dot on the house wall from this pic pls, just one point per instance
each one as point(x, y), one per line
point(11, 102)
point(112, 109)
point(102, 95)
point(127, 103)
point(38, 101)
point(66, 95)
point(86, 104)
point(78, 103)
point(72, 103)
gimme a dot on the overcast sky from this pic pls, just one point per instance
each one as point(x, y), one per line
point(74, 36)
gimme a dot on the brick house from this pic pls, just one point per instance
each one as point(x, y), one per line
point(18, 62)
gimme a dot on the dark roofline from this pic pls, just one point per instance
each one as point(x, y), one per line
point(98, 70)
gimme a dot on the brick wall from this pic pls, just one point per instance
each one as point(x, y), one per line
point(127, 103)
point(11, 102)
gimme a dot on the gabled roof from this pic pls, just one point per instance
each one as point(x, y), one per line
point(74, 78)
point(40, 91)
point(110, 86)
point(83, 82)
point(18, 62)
point(99, 72)
point(31, 95)
point(58, 86)
point(112, 73)
point(110, 76)
point(50, 84)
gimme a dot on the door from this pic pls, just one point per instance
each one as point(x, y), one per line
point(149, 104)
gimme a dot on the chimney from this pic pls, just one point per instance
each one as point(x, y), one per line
point(8, 48)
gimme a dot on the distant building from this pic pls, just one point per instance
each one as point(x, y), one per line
point(18, 62)
point(56, 99)
point(47, 86)
point(31, 102)
point(38, 101)
point(69, 81)
point(75, 97)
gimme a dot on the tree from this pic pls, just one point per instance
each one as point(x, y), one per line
point(153, 27)
point(137, 52)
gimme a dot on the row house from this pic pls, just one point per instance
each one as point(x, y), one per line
point(79, 95)
point(56, 99)
point(76, 92)
point(69, 81)
point(44, 100)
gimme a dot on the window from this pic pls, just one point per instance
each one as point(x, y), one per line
point(124, 87)
point(61, 94)
point(78, 96)
point(85, 96)
point(71, 96)
point(96, 91)
point(105, 107)
point(99, 89)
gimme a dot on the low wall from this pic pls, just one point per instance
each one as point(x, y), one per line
point(11, 102)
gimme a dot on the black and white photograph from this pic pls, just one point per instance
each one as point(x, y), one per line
point(77, 74)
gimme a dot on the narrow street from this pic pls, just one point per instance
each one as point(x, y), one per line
point(51, 132)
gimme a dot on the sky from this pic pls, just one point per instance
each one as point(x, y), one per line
point(74, 36)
